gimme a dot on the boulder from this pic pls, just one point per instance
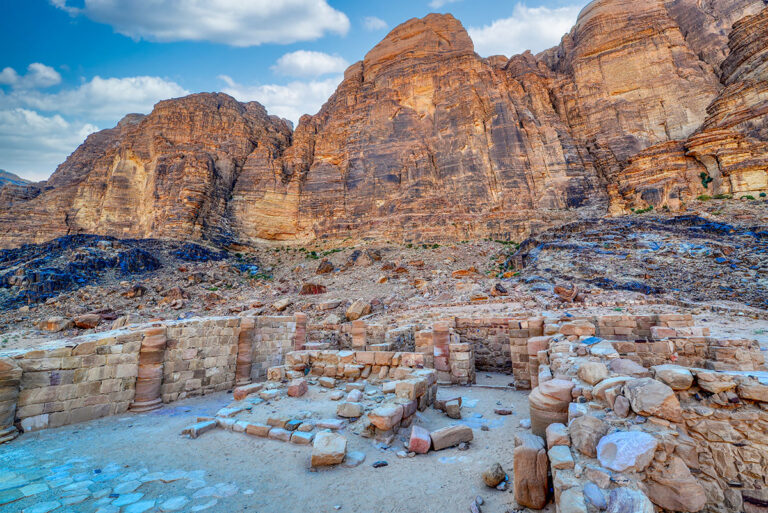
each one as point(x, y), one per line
point(594, 495)
point(621, 406)
point(311, 289)
point(607, 384)
point(753, 390)
point(297, 387)
point(358, 309)
point(714, 382)
point(627, 500)
point(627, 367)
point(530, 471)
point(557, 434)
point(326, 382)
point(324, 267)
point(87, 321)
point(494, 475)
point(650, 397)
point(54, 324)
point(282, 304)
point(592, 372)
point(604, 349)
point(560, 457)
point(586, 431)
point(328, 449)
point(675, 376)
point(354, 396)
point(451, 436)
point(626, 450)
point(350, 410)
point(244, 391)
point(572, 501)
point(672, 487)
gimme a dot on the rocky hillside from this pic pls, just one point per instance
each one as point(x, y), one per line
point(644, 103)
point(10, 178)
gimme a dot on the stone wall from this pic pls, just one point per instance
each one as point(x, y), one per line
point(345, 364)
point(624, 419)
point(79, 379)
point(646, 339)
point(200, 357)
point(273, 338)
point(489, 338)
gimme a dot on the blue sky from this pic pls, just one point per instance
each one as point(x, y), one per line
point(70, 67)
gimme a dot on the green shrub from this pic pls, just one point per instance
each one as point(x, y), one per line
point(762, 195)
point(705, 179)
point(704, 197)
point(747, 197)
point(723, 196)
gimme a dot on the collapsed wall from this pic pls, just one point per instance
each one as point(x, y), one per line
point(676, 419)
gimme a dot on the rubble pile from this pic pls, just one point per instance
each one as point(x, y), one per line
point(676, 420)
point(687, 257)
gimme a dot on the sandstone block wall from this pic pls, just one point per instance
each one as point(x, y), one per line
point(646, 339)
point(90, 378)
point(490, 341)
point(84, 378)
point(351, 365)
point(273, 338)
point(200, 357)
point(712, 450)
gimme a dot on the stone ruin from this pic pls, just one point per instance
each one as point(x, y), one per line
point(627, 412)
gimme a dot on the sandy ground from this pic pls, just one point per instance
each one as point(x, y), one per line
point(274, 476)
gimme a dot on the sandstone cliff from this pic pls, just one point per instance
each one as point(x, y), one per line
point(728, 152)
point(424, 139)
point(168, 174)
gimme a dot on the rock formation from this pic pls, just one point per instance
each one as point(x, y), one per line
point(10, 178)
point(644, 103)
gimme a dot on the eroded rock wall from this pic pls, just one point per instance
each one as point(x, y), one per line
point(643, 103)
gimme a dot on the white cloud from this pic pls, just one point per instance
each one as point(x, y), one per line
point(38, 76)
point(289, 101)
point(437, 4)
point(99, 98)
point(231, 22)
point(372, 23)
point(32, 145)
point(529, 28)
point(303, 63)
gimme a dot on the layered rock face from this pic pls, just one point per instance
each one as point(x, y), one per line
point(424, 135)
point(727, 152)
point(169, 174)
point(642, 103)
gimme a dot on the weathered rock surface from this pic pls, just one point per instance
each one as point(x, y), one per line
point(586, 432)
point(677, 377)
point(650, 397)
point(626, 450)
point(673, 488)
point(530, 471)
point(328, 449)
point(637, 101)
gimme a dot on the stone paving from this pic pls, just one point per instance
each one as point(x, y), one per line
point(34, 483)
